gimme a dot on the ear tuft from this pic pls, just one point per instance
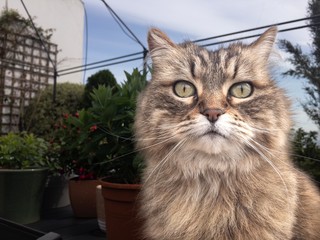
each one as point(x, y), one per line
point(264, 44)
point(158, 39)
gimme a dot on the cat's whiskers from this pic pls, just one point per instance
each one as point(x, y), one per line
point(291, 154)
point(250, 142)
point(264, 157)
point(156, 138)
point(269, 151)
point(160, 137)
point(161, 163)
point(277, 151)
point(266, 130)
point(114, 135)
point(135, 151)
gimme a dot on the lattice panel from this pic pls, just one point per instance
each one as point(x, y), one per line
point(25, 68)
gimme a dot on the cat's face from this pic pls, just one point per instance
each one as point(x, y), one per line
point(217, 103)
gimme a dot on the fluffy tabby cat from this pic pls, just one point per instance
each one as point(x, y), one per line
point(213, 128)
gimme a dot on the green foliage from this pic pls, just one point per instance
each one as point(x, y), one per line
point(42, 114)
point(104, 141)
point(308, 65)
point(307, 152)
point(103, 77)
point(64, 148)
point(20, 151)
point(12, 22)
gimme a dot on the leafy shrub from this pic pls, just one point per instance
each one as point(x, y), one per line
point(99, 140)
point(20, 151)
point(103, 77)
point(42, 115)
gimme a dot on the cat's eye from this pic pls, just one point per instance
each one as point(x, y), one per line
point(241, 90)
point(184, 89)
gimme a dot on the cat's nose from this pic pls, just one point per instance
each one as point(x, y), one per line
point(212, 114)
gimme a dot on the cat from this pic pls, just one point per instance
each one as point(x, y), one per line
point(213, 128)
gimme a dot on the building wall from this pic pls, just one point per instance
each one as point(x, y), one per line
point(66, 17)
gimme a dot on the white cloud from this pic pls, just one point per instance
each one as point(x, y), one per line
point(205, 18)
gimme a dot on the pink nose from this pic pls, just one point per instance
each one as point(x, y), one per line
point(212, 114)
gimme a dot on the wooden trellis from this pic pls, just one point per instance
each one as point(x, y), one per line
point(25, 68)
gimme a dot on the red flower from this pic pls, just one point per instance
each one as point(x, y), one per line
point(76, 115)
point(82, 177)
point(93, 128)
point(66, 115)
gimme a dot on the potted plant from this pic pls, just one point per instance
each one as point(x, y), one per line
point(23, 172)
point(123, 166)
point(56, 193)
point(45, 118)
point(98, 144)
point(106, 149)
point(67, 142)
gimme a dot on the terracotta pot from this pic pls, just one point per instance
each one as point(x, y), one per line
point(83, 197)
point(121, 208)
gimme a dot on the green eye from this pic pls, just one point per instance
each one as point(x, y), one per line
point(184, 89)
point(241, 90)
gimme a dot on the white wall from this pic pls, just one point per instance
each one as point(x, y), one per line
point(67, 18)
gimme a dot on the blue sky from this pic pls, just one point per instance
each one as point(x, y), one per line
point(191, 20)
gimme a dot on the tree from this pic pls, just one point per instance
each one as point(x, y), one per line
point(103, 77)
point(307, 152)
point(308, 65)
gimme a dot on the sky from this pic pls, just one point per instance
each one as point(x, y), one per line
point(191, 20)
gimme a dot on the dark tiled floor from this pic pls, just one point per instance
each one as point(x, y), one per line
point(62, 221)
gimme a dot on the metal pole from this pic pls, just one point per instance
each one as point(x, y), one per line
point(54, 94)
point(145, 54)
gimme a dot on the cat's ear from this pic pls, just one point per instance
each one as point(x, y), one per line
point(264, 44)
point(158, 40)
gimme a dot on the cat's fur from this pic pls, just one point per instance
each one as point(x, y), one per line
point(226, 179)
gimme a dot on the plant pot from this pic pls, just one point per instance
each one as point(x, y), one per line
point(83, 197)
point(56, 192)
point(101, 215)
point(21, 194)
point(121, 208)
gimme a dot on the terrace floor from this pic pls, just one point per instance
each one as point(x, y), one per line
point(62, 222)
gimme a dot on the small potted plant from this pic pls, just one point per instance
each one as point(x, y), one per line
point(67, 142)
point(23, 172)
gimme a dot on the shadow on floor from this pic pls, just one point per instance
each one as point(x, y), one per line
point(62, 221)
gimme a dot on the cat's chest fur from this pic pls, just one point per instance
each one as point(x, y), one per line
point(216, 205)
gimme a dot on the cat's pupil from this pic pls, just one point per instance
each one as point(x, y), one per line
point(184, 89)
point(241, 90)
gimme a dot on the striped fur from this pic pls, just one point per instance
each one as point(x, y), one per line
point(237, 182)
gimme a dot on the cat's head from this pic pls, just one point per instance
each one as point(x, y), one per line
point(221, 103)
